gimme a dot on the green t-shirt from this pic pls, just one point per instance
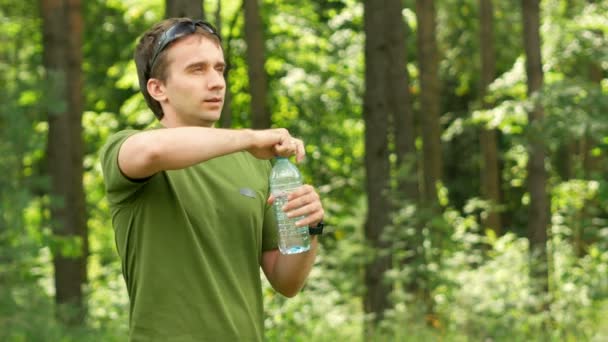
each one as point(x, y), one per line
point(191, 244)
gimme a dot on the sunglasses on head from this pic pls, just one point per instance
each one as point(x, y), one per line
point(179, 30)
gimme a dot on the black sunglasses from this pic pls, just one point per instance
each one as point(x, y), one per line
point(179, 30)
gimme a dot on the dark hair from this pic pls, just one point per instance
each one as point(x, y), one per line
point(144, 53)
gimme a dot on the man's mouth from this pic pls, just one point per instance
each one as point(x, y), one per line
point(214, 99)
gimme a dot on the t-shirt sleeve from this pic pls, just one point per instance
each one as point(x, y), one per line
point(119, 188)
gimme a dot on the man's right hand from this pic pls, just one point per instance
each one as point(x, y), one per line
point(270, 143)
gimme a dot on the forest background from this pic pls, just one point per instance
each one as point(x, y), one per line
point(459, 147)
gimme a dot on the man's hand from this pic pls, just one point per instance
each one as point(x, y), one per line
point(270, 143)
point(304, 201)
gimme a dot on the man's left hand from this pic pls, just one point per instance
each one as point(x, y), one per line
point(304, 201)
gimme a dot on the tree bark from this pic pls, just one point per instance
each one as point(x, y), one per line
point(591, 163)
point(62, 38)
point(564, 161)
point(258, 83)
point(400, 105)
point(537, 175)
point(399, 100)
point(375, 109)
point(226, 118)
point(428, 61)
point(184, 8)
point(490, 171)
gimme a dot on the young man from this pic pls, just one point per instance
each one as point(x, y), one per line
point(190, 203)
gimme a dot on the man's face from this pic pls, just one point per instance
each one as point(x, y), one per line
point(195, 84)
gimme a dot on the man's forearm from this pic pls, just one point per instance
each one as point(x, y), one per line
point(149, 152)
point(290, 272)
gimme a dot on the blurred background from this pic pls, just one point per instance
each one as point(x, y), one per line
point(459, 146)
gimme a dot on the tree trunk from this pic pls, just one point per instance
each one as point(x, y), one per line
point(184, 8)
point(591, 163)
point(399, 100)
point(428, 61)
point(375, 109)
point(258, 84)
point(62, 36)
point(537, 175)
point(490, 172)
point(226, 118)
point(564, 161)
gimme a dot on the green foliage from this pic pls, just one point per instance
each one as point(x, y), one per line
point(27, 307)
point(478, 282)
point(483, 291)
point(314, 76)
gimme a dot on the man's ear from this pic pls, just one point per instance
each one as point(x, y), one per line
point(156, 89)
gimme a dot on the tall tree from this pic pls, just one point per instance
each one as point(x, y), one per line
point(537, 175)
point(490, 174)
point(226, 118)
point(400, 107)
point(258, 84)
point(184, 8)
point(399, 99)
point(62, 38)
point(375, 109)
point(591, 163)
point(428, 61)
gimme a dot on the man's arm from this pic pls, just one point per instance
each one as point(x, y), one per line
point(287, 273)
point(146, 153)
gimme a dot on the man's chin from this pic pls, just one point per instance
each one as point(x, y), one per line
point(211, 116)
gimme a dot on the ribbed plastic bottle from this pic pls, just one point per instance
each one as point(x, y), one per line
point(284, 178)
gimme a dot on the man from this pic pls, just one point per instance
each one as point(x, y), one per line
point(190, 203)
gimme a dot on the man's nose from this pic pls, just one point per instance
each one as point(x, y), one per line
point(216, 81)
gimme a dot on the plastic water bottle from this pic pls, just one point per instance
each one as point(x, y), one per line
point(285, 178)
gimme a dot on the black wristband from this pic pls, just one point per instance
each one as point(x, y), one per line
point(317, 230)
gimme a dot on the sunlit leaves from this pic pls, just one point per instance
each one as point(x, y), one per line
point(315, 66)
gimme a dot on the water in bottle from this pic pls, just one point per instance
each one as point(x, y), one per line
point(285, 178)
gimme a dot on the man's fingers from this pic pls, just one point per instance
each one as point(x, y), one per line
point(304, 201)
point(284, 150)
point(288, 146)
point(307, 210)
point(301, 191)
point(310, 219)
point(300, 150)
